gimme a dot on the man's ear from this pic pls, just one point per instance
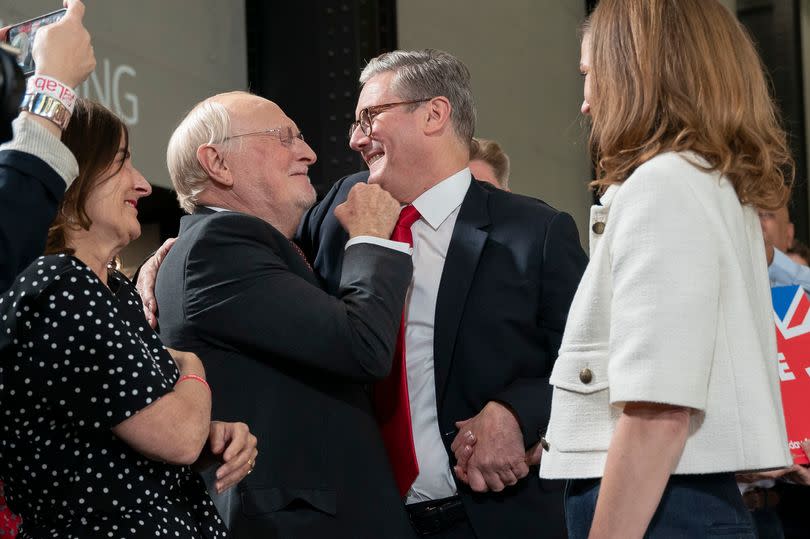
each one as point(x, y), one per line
point(212, 160)
point(438, 118)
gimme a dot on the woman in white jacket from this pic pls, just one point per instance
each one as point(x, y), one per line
point(666, 382)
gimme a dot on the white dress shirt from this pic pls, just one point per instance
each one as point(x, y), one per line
point(439, 207)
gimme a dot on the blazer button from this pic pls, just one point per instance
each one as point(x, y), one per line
point(544, 444)
point(585, 375)
point(598, 227)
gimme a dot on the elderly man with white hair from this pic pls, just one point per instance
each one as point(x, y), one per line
point(281, 354)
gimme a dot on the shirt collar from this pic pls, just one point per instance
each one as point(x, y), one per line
point(217, 209)
point(437, 203)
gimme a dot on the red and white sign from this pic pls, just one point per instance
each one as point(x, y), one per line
point(791, 313)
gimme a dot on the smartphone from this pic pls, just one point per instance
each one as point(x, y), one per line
point(21, 37)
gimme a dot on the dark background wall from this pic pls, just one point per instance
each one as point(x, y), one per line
point(775, 26)
point(307, 56)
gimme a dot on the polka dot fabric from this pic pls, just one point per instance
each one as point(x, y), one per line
point(76, 359)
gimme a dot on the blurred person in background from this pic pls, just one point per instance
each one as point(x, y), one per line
point(489, 163)
point(779, 235)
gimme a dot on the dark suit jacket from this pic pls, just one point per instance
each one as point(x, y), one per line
point(30, 192)
point(290, 360)
point(511, 271)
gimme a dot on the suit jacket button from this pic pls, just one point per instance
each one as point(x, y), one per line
point(598, 227)
point(544, 444)
point(585, 375)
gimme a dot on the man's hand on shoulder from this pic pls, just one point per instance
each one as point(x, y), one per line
point(368, 211)
point(147, 277)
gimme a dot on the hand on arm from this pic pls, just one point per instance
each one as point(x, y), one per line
point(234, 447)
point(645, 449)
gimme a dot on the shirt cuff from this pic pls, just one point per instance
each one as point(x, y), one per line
point(400, 246)
point(32, 138)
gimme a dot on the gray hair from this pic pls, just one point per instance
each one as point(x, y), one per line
point(430, 73)
point(207, 123)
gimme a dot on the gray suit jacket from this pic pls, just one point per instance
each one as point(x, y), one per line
point(292, 362)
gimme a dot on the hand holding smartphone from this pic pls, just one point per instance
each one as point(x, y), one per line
point(62, 50)
point(21, 37)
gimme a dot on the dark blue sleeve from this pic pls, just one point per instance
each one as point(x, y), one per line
point(308, 235)
point(30, 192)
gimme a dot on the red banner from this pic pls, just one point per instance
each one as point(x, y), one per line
point(791, 308)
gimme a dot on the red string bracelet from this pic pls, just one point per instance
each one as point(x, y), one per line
point(193, 377)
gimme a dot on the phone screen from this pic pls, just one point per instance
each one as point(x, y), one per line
point(21, 37)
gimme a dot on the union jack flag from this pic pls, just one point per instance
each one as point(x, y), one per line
point(791, 310)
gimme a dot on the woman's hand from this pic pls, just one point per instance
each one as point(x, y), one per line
point(798, 473)
point(234, 446)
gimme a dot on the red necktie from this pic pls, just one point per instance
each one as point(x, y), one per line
point(391, 400)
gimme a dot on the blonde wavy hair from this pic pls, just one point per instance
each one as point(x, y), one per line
point(683, 75)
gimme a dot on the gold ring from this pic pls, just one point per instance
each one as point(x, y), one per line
point(252, 464)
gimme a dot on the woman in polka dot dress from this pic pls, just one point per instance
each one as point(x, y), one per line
point(99, 423)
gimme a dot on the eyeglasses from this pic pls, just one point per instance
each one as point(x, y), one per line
point(368, 114)
point(285, 135)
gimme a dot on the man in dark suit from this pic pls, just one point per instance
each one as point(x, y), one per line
point(281, 354)
point(494, 274)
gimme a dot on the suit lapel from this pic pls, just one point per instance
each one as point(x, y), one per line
point(466, 245)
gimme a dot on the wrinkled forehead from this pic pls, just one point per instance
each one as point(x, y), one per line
point(250, 113)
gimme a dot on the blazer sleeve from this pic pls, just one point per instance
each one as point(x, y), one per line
point(241, 294)
point(30, 192)
point(563, 262)
point(666, 292)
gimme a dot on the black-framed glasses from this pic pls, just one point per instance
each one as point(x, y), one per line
point(368, 114)
point(285, 135)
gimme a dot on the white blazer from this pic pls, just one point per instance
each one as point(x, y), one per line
point(673, 308)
